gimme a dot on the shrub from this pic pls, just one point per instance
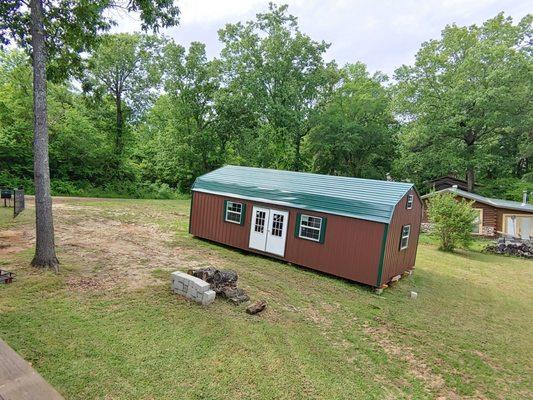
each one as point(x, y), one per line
point(451, 220)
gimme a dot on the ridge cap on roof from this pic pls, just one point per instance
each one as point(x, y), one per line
point(410, 184)
point(498, 203)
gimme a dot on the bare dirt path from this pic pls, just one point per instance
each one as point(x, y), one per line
point(105, 247)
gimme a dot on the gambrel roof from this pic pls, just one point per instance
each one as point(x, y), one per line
point(366, 199)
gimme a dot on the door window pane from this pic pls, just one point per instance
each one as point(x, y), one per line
point(260, 221)
point(277, 225)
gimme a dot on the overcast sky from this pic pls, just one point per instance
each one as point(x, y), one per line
point(383, 34)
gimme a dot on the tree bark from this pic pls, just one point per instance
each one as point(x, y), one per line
point(45, 255)
point(296, 166)
point(470, 178)
point(470, 141)
point(119, 142)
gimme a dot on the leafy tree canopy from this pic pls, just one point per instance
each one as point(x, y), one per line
point(467, 93)
point(72, 26)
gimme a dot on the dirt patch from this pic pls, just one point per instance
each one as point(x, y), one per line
point(82, 284)
point(14, 241)
point(106, 250)
point(117, 254)
point(418, 368)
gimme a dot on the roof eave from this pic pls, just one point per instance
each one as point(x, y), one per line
point(479, 199)
point(293, 205)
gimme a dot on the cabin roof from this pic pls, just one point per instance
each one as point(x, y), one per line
point(367, 199)
point(498, 203)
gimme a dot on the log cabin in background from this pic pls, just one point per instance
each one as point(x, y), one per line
point(495, 216)
point(360, 229)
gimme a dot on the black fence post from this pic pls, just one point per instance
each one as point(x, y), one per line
point(19, 203)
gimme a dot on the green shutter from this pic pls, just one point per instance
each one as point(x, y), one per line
point(224, 210)
point(243, 213)
point(297, 225)
point(323, 229)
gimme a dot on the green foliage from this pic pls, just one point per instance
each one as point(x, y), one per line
point(506, 188)
point(467, 103)
point(277, 76)
point(72, 27)
point(115, 189)
point(354, 135)
point(451, 220)
point(178, 140)
point(151, 111)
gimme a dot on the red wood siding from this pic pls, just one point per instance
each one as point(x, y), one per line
point(351, 249)
point(398, 261)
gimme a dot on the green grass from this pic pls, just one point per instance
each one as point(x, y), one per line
point(320, 338)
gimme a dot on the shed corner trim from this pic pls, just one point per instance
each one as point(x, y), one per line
point(382, 255)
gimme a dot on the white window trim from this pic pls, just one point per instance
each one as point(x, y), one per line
point(405, 237)
point(410, 201)
point(232, 212)
point(310, 227)
point(480, 225)
point(504, 220)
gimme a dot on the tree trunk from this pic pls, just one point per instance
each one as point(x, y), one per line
point(119, 138)
point(470, 178)
point(45, 255)
point(297, 156)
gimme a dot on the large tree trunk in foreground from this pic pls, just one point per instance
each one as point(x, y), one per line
point(45, 255)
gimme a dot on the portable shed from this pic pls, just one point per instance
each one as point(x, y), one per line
point(360, 229)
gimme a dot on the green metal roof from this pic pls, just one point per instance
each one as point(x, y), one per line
point(498, 203)
point(367, 199)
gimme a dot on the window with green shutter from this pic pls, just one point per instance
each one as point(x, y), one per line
point(310, 227)
point(234, 212)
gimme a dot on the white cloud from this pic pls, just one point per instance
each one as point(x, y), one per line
point(382, 33)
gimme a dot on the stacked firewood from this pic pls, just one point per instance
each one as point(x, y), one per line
point(223, 282)
point(515, 247)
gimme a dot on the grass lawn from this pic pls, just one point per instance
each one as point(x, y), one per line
point(108, 327)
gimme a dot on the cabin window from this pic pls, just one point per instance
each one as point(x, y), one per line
point(410, 201)
point(478, 222)
point(311, 228)
point(233, 212)
point(404, 241)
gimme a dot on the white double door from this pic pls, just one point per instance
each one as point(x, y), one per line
point(268, 230)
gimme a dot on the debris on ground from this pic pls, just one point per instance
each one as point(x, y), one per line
point(512, 247)
point(256, 307)
point(6, 276)
point(236, 296)
point(223, 282)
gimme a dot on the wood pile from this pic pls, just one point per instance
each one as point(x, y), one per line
point(513, 247)
point(223, 282)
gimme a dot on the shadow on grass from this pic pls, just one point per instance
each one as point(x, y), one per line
point(310, 272)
